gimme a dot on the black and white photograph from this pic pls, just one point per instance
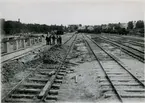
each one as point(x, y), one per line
point(72, 51)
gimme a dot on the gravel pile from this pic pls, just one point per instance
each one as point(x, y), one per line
point(13, 67)
point(51, 56)
point(14, 71)
point(55, 55)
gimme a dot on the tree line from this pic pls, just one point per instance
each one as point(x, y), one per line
point(15, 27)
point(133, 28)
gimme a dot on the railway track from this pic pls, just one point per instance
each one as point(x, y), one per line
point(122, 43)
point(139, 55)
point(136, 43)
point(125, 85)
point(36, 86)
point(52, 91)
point(130, 41)
point(69, 38)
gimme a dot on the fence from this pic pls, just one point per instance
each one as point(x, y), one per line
point(12, 45)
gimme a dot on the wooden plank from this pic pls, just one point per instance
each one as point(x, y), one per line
point(46, 87)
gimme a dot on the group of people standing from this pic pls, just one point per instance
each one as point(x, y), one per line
point(54, 39)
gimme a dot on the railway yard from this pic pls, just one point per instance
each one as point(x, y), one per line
point(85, 68)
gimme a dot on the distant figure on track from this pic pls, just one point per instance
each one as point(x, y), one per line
point(46, 40)
point(59, 40)
point(49, 40)
point(53, 39)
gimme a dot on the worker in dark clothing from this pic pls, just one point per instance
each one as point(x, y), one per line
point(57, 40)
point(60, 40)
point(46, 40)
point(53, 39)
point(49, 40)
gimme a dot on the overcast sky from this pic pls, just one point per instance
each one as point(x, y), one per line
point(89, 12)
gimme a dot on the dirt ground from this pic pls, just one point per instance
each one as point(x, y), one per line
point(136, 67)
point(137, 38)
point(81, 84)
point(15, 71)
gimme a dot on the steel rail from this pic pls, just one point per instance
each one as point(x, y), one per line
point(124, 45)
point(131, 41)
point(136, 43)
point(106, 75)
point(19, 83)
point(69, 38)
point(138, 57)
point(119, 62)
point(52, 81)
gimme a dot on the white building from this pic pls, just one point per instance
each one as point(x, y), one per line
point(81, 27)
point(124, 25)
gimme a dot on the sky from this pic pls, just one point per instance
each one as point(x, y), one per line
point(86, 12)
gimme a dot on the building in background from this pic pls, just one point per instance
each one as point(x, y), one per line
point(124, 25)
point(90, 28)
point(81, 27)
